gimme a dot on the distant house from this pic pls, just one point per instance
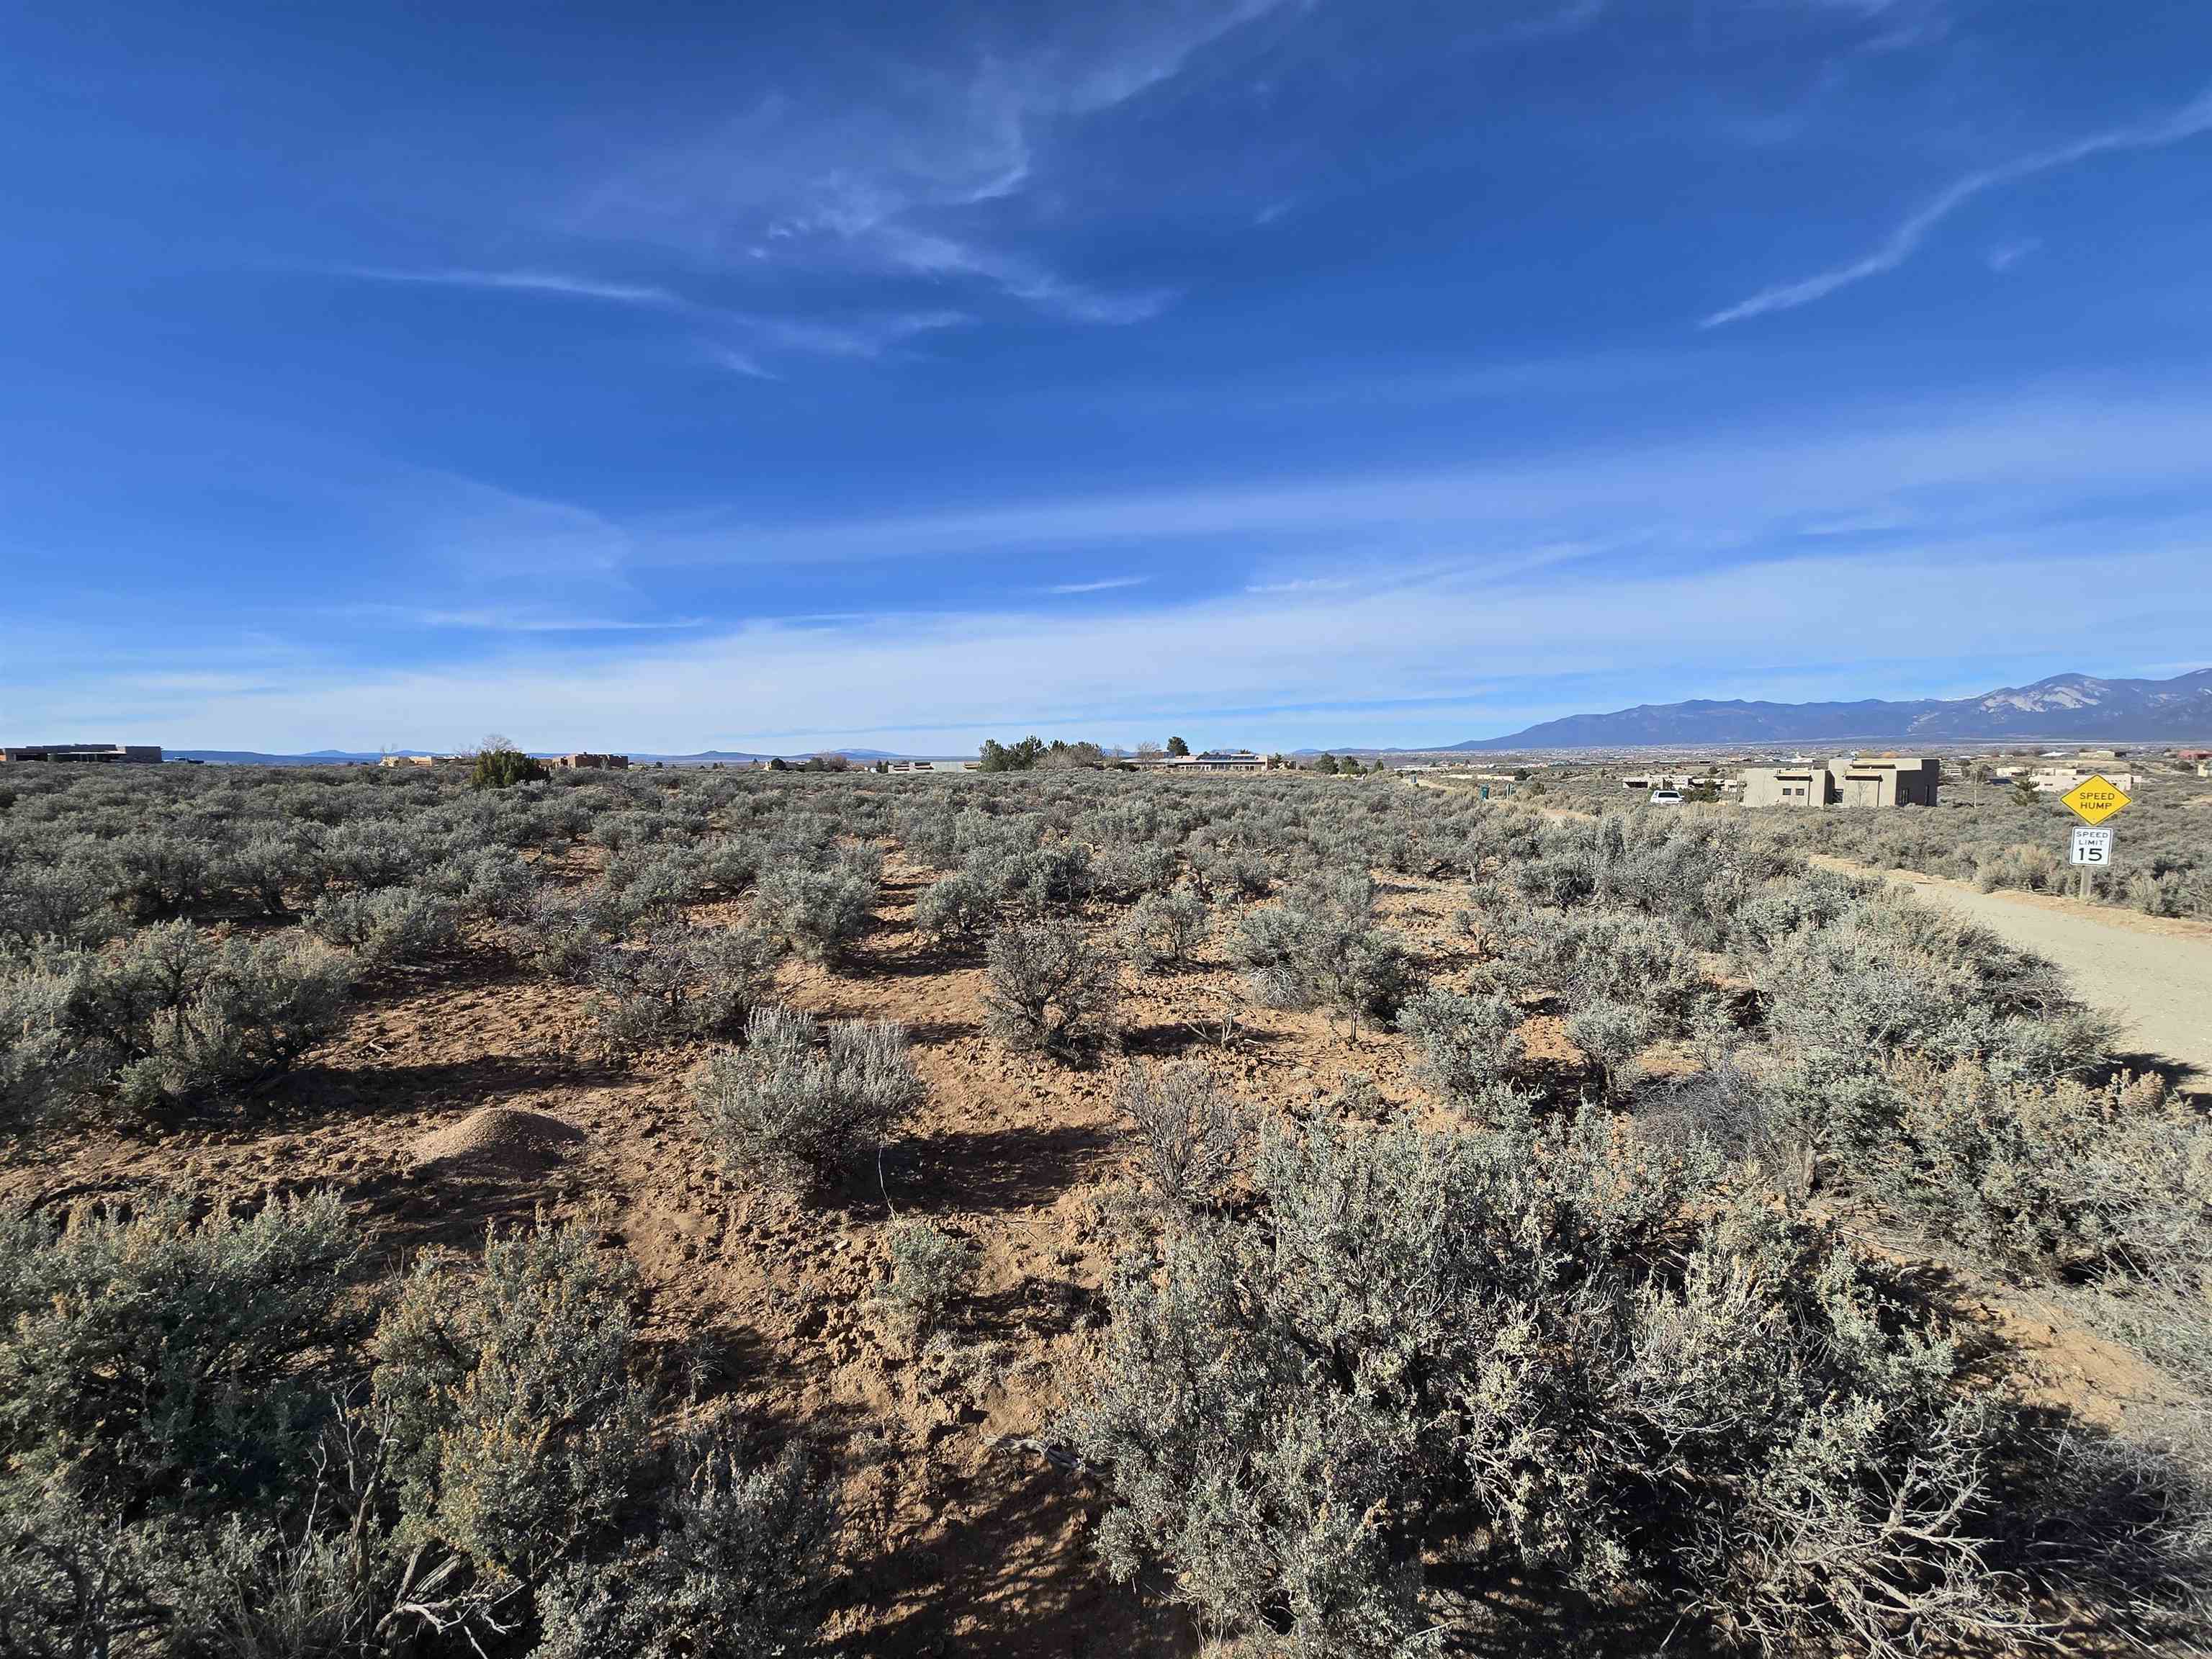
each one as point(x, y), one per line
point(1785, 786)
point(584, 758)
point(1213, 760)
point(85, 754)
point(1854, 781)
point(2058, 780)
point(408, 759)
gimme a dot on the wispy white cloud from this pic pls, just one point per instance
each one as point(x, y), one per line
point(741, 362)
point(1105, 585)
point(2005, 255)
point(1902, 243)
point(896, 179)
point(503, 621)
point(554, 283)
point(1941, 470)
point(859, 335)
point(1856, 524)
point(929, 254)
point(477, 532)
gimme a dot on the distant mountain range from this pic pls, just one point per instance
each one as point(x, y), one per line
point(2069, 707)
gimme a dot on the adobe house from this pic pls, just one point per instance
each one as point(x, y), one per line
point(1853, 780)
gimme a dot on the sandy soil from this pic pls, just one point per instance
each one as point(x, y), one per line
point(2152, 973)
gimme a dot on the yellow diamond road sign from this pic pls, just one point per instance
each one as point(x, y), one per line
point(2094, 800)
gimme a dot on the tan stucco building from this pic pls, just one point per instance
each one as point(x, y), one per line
point(1853, 780)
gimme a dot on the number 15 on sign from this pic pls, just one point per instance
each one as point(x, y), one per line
point(2091, 847)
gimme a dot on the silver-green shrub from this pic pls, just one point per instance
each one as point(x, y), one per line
point(172, 1016)
point(1162, 929)
point(2069, 1179)
point(386, 926)
point(154, 872)
point(1488, 1358)
point(1320, 945)
point(65, 903)
point(508, 1382)
point(792, 1110)
point(1190, 1131)
point(1462, 1045)
point(654, 882)
point(43, 1073)
point(931, 1270)
point(155, 1350)
point(734, 1571)
point(958, 910)
point(559, 933)
point(1048, 989)
point(1131, 872)
point(680, 983)
point(817, 912)
point(1611, 1034)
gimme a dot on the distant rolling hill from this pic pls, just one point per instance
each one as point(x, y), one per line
point(2066, 706)
point(255, 757)
point(348, 757)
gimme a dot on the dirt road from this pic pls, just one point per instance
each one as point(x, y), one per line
point(2155, 975)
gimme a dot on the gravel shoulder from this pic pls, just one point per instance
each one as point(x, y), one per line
point(2154, 974)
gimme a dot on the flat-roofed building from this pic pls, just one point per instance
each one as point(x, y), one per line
point(1885, 780)
point(1854, 781)
point(1213, 760)
point(1224, 760)
point(85, 754)
point(2058, 780)
point(584, 758)
point(1785, 786)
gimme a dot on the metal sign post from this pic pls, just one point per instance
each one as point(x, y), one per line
point(2093, 800)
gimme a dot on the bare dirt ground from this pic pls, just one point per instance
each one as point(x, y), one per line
point(2154, 974)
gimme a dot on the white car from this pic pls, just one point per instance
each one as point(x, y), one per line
point(1666, 798)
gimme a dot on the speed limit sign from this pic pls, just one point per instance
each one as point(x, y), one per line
point(2091, 845)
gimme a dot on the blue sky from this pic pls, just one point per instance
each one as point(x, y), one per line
point(671, 375)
